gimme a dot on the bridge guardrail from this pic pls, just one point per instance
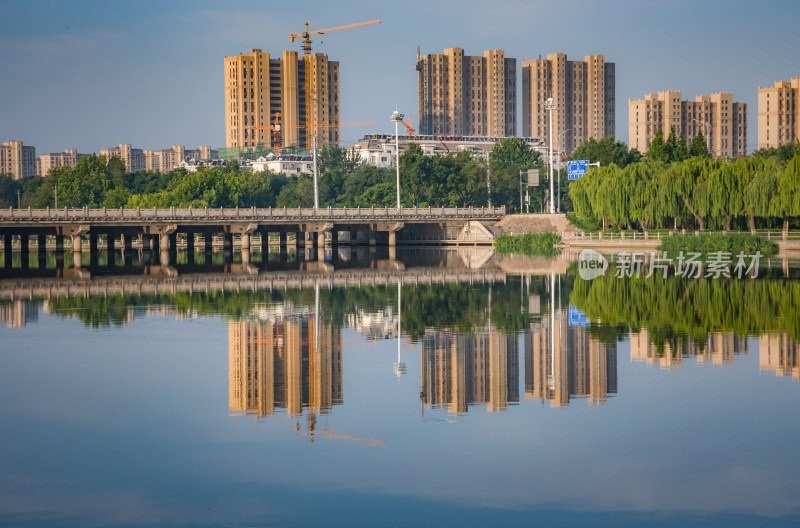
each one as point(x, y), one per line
point(245, 213)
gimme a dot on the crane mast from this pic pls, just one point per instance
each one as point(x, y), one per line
point(306, 36)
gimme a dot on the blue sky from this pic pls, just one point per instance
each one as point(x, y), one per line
point(91, 74)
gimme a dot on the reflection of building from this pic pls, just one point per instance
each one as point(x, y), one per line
point(18, 313)
point(719, 348)
point(459, 370)
point(778, 352)
point(374, 325)
point(276, 364)
point(579, 366)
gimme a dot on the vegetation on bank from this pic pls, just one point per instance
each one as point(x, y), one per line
point(676, 187)
point(456, 179)
point(708, 243)
point(543, 244)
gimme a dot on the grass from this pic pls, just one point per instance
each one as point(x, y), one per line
point(534, 244)
point(705, 243)
point(584, 224)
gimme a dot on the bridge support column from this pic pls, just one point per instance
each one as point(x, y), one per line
point(246, 241)
point(300, 240)
point(127, 242)
point(77, 243)
point(41, 250)
point(284, 241)
point(372, 240)
point(7, 247)
point(208, 242)
point(92, 243)
point(392, 238)
point(110, 245)
point(190, 243)
point(227, 241)
point(163, 242)
point(246, 255)
point(77, 259)
point(334, 238)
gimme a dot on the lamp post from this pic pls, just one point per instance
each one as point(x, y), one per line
point(708, 133)
point(397, 117)
point(560, 134)
point(550, 106)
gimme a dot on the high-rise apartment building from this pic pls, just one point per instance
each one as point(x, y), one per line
point(779, 114)
point(17, 160)
point(462, 95)
point(722, 121)
point(258, 88)
point(583, 93)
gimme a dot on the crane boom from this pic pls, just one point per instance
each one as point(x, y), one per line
point(306, 36)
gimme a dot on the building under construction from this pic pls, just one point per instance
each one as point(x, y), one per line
point(270, 93)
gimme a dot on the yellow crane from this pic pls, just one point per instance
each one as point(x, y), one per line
point(306, 36)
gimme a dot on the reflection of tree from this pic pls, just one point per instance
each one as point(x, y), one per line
point(675, 307)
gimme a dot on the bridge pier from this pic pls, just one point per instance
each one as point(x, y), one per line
point(245, 241)
point(227, 242)
point(77, 243)
point(41, 250)
point(190, 243)
point(284, 241)
point(126, 242)
point(208, 242)
point(7, 249)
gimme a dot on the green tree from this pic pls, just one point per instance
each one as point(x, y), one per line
point(699, 148)
point(658, 149)
point(507, 158)
point(607, 151)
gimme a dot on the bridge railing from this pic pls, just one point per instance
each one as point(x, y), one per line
point(248, 213)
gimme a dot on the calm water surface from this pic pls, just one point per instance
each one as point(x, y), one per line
point(294, 391)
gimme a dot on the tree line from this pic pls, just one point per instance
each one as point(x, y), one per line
point(457, 179)
point(678, 187)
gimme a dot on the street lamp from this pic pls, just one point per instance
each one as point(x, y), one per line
point(550, 106)
point(397, 117)
point(708, 133)
point(560, 134)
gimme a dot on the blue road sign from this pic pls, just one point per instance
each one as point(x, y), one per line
point(576, 169)
point(577, 317)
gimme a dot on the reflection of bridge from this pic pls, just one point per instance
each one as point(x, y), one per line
point(163, 225)
point(159, 281)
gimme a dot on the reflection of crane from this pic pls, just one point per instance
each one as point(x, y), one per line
point(306, 36)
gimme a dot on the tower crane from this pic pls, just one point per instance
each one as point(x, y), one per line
point(306, 36)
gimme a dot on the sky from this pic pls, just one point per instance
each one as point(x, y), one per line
point(94, 74)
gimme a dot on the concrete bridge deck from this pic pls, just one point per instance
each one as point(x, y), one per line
point(361, 225)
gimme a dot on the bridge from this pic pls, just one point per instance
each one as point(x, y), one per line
point(158, 228)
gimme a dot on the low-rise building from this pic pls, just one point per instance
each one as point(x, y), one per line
point(17, 159)
point(379, 149)
point(134, 158)
point(68, 158)
point(288, 164)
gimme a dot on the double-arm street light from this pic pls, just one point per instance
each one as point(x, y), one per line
point(397, 117)
point(550, 106)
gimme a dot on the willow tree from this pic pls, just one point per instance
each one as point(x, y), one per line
point(788, 204)
point(688, 181)
point(760, 196)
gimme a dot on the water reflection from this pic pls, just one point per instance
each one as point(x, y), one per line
point(287, 360)
point(564, 361)
point(720, 348)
